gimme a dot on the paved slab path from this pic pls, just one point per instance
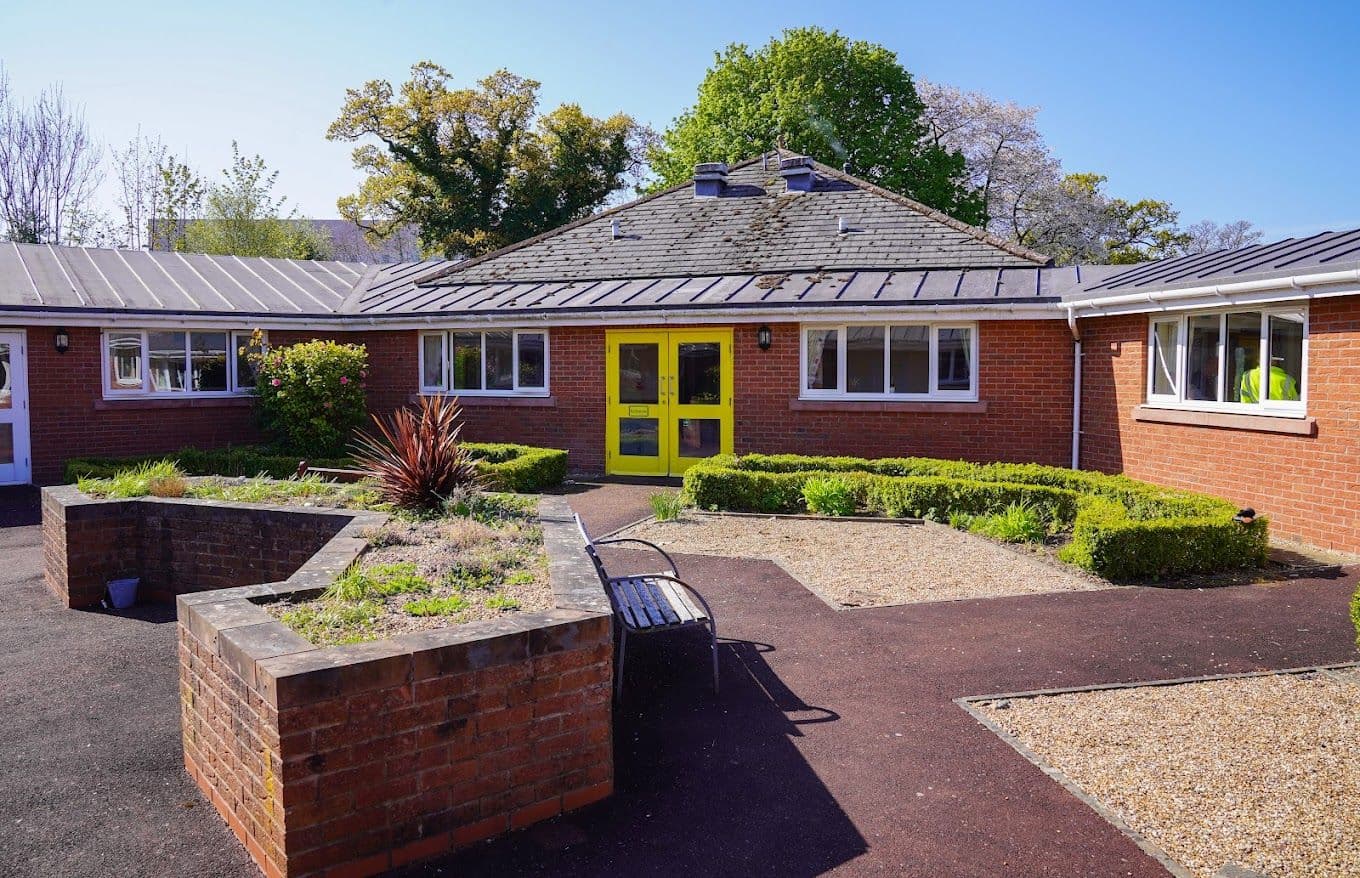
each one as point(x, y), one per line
point(835, 746)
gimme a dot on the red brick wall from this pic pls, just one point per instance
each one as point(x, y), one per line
point(1309, 485)
point(1025, 379)
point(1025, 375)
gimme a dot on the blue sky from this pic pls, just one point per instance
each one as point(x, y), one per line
point(1228, 110)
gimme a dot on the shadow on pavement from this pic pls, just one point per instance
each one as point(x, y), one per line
point(704, 785)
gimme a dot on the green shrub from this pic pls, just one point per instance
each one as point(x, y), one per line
point(961, 520)
point(311, 395)
point(1355, 615)
point(666, 505)
point(829, 495)
point(522, 469)
point(1017, 523)
point(1121, 528)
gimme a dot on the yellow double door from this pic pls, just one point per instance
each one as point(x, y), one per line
point(668, 400)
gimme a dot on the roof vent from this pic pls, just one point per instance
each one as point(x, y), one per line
point(710, 179)
point(615, 232)
point(797, 173)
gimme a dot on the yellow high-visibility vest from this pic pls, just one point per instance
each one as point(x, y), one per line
point(1282, 385)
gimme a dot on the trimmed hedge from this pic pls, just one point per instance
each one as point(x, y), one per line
point(506, 467)
point(1122, 528)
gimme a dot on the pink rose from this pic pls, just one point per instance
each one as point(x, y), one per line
point(344, 380)
point(276, 382)
point(363, 374)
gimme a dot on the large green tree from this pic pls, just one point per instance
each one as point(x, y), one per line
point(847, 103)
point(475, 168)
point(242, 217)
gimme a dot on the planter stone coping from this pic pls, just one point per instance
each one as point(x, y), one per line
point(288, 670)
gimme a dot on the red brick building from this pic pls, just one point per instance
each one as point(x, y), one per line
point(775, 306)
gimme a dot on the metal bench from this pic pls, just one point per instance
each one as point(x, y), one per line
point(650, 602)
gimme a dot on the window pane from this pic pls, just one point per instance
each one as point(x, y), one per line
point(531, 360)
point(6, 371)
point(955, 354)
point(638, 371)
point(1244, 358)
point(500, 360)
point(125, 360)
point(245, 369)
point(910, 359)
point(467, 361)
point(700, 377)
point(432, 368)
point(864, 359)
point(166, 359)
point(638, 437)
point(1201, 367)
point(208, 358)
point(1286, 358)
point(821, 359)
point(1164, 358)
point(699, 437)
point(6, 444)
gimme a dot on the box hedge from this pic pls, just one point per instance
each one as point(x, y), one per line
point(506, 467)
point(1122, 529)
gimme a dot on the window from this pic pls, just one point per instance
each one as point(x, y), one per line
point(177, 362)
point(1250, 360)
point(493, 362)
point(910, 361)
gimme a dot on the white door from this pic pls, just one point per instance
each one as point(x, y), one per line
point(14, 459)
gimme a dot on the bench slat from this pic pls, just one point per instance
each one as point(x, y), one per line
point(648, 601)
point(676, 599)
point(624, 602)
point(657, 592)
point(688, 600)
point(643, 619)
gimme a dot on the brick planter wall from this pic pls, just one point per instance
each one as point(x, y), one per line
point(356, 759)
point(175, 546)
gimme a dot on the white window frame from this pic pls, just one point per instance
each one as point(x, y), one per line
point(932, 394)
point(1269, 407)
point(235, 338)
point(446, 373)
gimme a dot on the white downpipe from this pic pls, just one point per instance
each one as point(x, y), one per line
point(1298, 282)
point(1076, 388)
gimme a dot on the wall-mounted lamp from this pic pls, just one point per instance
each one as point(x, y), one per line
point(61, 340)
point(764, 338)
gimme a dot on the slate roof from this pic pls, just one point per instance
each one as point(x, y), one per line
point(44, 277)
point(754, 227)
point(1325, 251)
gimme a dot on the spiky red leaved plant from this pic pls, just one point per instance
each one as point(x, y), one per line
point(415, 456)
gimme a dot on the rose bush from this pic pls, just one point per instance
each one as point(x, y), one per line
point(311, 394)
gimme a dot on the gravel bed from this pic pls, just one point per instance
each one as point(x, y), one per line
point(1257, 772)
point(868, 564)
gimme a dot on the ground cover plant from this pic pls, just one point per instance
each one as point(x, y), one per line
point(164, 478)
point(1111, 525)
point(480, 557)
point(502, 466)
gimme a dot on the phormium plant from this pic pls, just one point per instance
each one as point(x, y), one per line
point(415, 456)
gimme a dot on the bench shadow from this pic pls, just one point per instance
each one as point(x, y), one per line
point(704, 784)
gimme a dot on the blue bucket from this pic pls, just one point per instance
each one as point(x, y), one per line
point(123, 592)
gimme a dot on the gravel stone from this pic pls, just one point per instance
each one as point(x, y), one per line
point(869, 563)
point(1254, 772)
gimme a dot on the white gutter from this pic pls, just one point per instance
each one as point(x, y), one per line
point(1298, 283)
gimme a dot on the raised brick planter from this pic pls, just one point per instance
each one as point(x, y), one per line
point(177, 546)
point(353, 759)
point(356, 759)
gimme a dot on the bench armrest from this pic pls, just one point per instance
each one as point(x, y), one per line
point(653, 546)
